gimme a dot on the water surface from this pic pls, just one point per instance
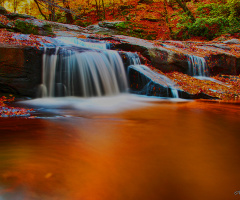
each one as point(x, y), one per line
point(156, 150)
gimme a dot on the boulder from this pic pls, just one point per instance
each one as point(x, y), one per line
point(13, 16)
point(223, 64)
point(107, 24)
point(143, 81)
point(161, 57)
point(20, 70)
point(33, 26)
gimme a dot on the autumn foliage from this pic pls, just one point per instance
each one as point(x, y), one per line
point(8, 111)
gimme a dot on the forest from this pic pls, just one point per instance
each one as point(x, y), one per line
point(147, 19)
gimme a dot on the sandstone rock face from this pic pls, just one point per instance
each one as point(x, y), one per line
point(168, 58)
point(162, 58)
point(20, 70)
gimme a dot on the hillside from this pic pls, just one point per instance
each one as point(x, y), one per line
point(146, 19)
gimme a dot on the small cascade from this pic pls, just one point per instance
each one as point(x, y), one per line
point(133, 58)
point(82, 72)
point(149, 79)
point(197, 66)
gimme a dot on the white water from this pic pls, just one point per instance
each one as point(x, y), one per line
point(158, 78)
point(105, 104)
point(197, 66)
point(86, 74)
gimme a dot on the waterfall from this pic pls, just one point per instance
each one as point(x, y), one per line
point(197, 66)
point(133, 58)
point(82, 72)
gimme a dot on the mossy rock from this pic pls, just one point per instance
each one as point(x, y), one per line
point(26, 27)
point(112, 25)
point(46, 30)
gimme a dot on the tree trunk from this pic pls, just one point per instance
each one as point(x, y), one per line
point(186, 10)
point(104, 14)
point(167, 19)
point(14, 6)
point(40, 9)
point(69, 17)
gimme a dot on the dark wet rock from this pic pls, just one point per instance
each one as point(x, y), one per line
point(162, 58)
point(3, 11)
point(20, 70)
point(167, 60)
point(223, 64)
point(185, 95)
point(144, 84)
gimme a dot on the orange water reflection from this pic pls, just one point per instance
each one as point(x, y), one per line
point(187, 151)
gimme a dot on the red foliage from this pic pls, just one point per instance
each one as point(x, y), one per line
point(8, 111)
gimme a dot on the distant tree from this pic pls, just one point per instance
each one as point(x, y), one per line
point(51, 6)
point(69, 17)
point(16, 3)
point(183, 5)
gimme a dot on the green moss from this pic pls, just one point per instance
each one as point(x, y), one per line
point(83, 23)
point(48, 29)
point(25, 27)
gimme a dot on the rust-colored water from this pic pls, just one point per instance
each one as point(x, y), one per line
point(187, 151)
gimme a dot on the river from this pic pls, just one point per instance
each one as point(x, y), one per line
point(126, 150)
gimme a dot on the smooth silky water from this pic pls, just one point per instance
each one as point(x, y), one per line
point(120, 147)
point(134, 149)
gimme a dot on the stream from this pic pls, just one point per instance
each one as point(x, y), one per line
point(127, 148)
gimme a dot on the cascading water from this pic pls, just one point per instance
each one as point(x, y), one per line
point(197, 66)
point(133, 58)
point(87, 69)
point(82, 72)
point(198, 69)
